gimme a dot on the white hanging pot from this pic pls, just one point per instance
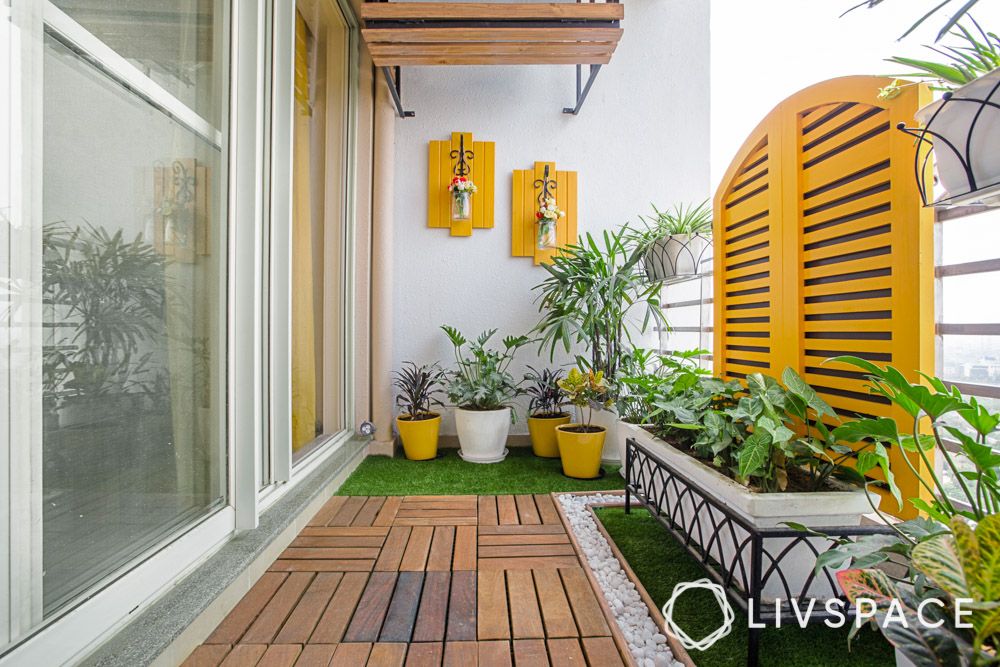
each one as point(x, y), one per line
point(482, 434)
point(674, 255)
point(966, 133)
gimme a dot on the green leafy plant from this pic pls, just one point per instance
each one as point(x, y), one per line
point(419, 388)
point(481, 379)
point(586, 390)
point(679, 220)
point(963, 9)
point(961, 566)
point(590, 298)
point(976, 54)
point(114, 290)
point(545, 397)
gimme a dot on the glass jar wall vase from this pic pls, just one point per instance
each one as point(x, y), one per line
point(547, 234)
point(461, 205)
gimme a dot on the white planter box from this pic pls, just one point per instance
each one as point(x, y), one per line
point(482, 434)
point(818, 510)
point(955, 122)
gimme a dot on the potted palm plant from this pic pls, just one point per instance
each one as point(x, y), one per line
point(545, 411)
point(964, 125)
point(596, 296)
point(482, 388)
point(675, 242)
point(418, 426)
point(580, 445)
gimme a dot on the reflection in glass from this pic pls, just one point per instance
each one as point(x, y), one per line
point(132, 378)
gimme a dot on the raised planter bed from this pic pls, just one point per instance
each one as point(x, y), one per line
point(737, 536)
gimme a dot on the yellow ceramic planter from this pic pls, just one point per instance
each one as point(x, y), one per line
point(543, 435)
point(420, 437)
point(580, 452)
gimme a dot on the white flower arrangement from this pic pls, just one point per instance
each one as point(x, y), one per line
point(462, 184)
point(549, 211)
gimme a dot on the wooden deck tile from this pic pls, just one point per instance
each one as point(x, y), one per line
point(324, 542)
point(566, 653)
point(461, 654)
point(450, 513)
point(402, 614)
point(443, 544)
point(388, 511)
point(547, 511)
point(273, 616)
point(465, 503)
point(438, 499)
point(280, 655)
point(531, 653)
point(207, 655)
point(432, 615)
point(465, 548)
point(348, 511)
point(330, 553)
point(415, 554)
point(435, 521)
point(487, 511)
point(522, 539)
point(316, 655)
point(528, 563)
point(494, 654)
point(307, 612)
point(525, 617)
point(602, 651)
point(351, 655)
point(293, 565)
point(526, 510)
point(492, 595)
point(371, 609)
point(516, 550)
point(328, 511)
point(462, 607)
point(556, 614)
point(546, 529)
point(334, 621)
point(244, 655)
point(507, 511)
point(239, 619)
point(392, 552)
point(366, 516)
point(387, 655)
point(586, 609)
point(425, 655)
point(345, 531)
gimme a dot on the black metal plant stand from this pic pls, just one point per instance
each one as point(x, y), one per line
point(735, 554)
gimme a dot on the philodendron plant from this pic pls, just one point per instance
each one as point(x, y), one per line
point(949, 614)
point(481, 379)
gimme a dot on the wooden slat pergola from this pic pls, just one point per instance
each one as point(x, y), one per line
point(481, 33)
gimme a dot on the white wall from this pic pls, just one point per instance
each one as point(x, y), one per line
point(642, 136)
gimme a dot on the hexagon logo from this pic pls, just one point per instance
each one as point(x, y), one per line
point(728, 615)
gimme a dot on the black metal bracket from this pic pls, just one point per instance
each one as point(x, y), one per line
point(393, 79)
point(582, 90)
point(463, 157)
point(545, 186)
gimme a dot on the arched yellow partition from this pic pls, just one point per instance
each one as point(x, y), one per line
point(822, 248)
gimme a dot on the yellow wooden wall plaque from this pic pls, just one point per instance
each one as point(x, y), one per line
point(460, 157)
point(529, 188)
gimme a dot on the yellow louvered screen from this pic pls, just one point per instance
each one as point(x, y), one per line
point(443, 158)
point(302, 40)
point(524, 205)
point(823, 249)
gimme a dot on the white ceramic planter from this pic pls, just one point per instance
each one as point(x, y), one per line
point(609, 420)
point(817, 510)
point(482, 434)
point(954, 123)
point(676, 255)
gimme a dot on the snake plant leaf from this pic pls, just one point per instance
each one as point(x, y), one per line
point(938, 559)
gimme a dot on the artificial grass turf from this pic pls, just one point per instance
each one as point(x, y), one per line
point(660, 563)
point(520, 472)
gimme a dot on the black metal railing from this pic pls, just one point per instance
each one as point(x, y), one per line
point(754, 565)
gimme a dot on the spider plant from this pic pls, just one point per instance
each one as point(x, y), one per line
point(419, 388)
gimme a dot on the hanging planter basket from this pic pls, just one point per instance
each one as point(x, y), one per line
point(962, 130)
point(677, 257)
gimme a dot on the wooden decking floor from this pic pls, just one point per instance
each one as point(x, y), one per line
point(420, 580)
